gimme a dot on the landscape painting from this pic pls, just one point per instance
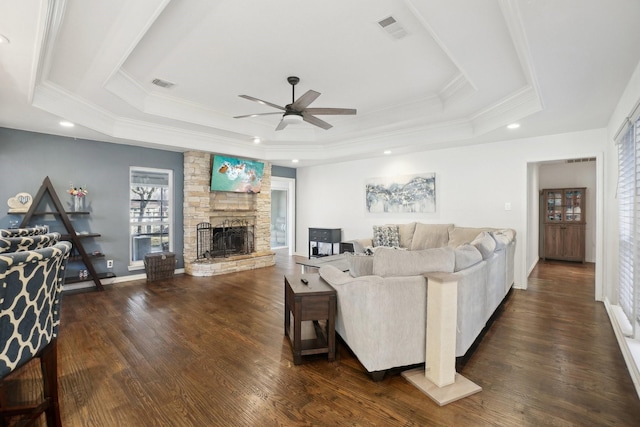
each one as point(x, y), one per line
point(402, 194)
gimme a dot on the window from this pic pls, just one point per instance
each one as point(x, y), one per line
point(150, 213)
point(629, 223)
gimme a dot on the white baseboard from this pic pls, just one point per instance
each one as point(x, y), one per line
point(532, 267)
point(630, 348)
point(89, 283)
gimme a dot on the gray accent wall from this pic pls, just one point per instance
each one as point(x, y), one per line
point(283, 172)
point(26, 158)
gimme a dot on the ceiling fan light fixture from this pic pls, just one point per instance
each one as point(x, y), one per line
point(297, 111)
point(292, 119)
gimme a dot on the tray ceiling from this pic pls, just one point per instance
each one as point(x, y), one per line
point(449, 72)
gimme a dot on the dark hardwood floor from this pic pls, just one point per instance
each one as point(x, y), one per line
point(211, 352)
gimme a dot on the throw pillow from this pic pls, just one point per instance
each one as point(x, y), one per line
point(393, 263)
point(386, 235)
point(466, 256)
point(485, 244)
point(502, 240)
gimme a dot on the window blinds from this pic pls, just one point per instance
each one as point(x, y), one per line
point(629, 221)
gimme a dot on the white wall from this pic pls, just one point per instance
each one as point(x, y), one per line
point(563, 175)
point(472, 186)
point(533, 217)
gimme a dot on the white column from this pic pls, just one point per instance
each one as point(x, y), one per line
point(442, 314)
point(439, 379)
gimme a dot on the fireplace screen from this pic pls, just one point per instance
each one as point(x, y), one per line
point(231, 237)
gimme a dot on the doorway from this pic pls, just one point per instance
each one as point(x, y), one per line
point(565, 173)
point(283, 213)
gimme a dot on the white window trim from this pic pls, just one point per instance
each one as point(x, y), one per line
point(289, 184)
point(139, 265)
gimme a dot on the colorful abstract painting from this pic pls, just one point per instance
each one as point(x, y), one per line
point(237, 175)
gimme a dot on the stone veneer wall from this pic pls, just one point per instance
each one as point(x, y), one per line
point(203, 205)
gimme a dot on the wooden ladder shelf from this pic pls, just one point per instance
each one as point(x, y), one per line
point(72, 236)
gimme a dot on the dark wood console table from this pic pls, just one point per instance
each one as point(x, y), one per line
point(313, 301)
point(323, 235)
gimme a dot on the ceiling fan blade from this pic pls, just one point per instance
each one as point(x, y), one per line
point(260, 101)
point(315, 121)
point(332, 111)
point(306, 99)
point(256, 115)
point(281, 125)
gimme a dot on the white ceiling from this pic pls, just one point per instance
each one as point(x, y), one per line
point(463, 71)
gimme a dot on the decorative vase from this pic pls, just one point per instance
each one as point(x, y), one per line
point(78, 204)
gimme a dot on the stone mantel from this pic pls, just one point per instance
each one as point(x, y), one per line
point(203, 205)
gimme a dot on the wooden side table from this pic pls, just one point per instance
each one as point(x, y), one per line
point(314, 301)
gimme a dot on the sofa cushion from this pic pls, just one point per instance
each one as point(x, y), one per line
point(461, 235)
point(485, 244)
point(427, 236)
point(386, 235)
point(406, 234)
point(360, 265)
point(393, 263)
point(334, 276)
point(467, 255)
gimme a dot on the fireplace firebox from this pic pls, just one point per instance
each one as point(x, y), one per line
point(229, 238)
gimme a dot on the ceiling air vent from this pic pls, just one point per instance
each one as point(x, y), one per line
point(392, 27)
point(163, 83)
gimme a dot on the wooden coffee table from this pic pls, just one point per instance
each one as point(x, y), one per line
point(314, 301)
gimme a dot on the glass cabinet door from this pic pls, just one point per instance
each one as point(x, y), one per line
point(573, 205)
point(554, 205)
point(564, 205)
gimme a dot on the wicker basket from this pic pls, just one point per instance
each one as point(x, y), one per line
point(159, 265)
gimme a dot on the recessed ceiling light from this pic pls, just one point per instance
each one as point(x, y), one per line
point(294, 161)
point(4, 39)
point(386, 152)
point(256, 140)
point(66, 124)
point(513, 126)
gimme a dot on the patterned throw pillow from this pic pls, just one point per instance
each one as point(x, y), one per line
point(386, 235)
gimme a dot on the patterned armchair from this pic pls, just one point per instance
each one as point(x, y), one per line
point(30, 231)
point(30, 290)
point(28, 243)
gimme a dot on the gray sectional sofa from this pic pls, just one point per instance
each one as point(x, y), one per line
point(382, 299)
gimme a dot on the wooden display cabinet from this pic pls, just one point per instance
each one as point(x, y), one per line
point(564, 223)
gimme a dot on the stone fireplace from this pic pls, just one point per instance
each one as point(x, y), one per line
point(222, 210)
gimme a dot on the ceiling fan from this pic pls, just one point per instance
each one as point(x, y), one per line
point(297, 111)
